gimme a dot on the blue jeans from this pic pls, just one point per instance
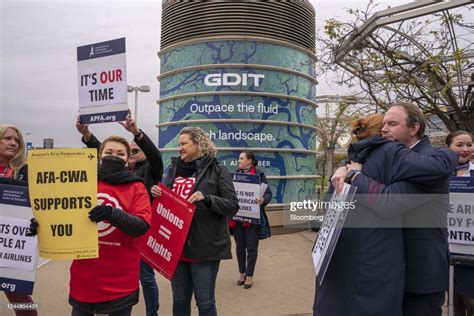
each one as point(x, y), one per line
point(199, 278)
point(150, 289)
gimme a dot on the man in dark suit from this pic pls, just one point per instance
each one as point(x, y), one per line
point(424, 219)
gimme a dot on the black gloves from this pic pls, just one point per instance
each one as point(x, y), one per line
point(100, 213)
point(33, 228)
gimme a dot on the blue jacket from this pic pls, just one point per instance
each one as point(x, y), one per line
point(423, 205)
point(367, 267)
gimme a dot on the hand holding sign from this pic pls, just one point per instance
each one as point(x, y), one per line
point(155, 191)
point(83, 129)
point(196, 197)
point(100, 213)
point(33, 228)
point(130, 124)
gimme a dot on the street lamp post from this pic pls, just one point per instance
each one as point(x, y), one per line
point(136, 89)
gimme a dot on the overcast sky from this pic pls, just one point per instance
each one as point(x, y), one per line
point(38, 66)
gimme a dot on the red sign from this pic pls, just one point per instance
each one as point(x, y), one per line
point(162, 246)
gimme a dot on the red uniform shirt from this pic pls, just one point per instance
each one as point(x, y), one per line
point(116, 272)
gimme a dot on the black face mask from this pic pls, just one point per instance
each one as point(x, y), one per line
point(112, 164)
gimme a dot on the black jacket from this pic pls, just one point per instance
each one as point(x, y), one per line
point(208, 237)
point(151, 169)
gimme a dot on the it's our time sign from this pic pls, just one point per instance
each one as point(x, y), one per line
point(102, 82)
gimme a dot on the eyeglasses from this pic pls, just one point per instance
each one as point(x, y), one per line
point(135, 151)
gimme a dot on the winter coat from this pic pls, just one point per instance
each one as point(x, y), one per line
point(208, 237)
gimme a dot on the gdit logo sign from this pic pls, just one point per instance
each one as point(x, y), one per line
point(233, 79)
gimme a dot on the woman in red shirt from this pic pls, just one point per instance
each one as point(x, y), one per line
point(109, 284)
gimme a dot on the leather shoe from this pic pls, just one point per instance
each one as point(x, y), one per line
point(247, 286)
point(240, 282)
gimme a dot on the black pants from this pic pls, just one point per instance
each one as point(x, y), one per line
point(246, 240)
point(415, 304)
point(124, 312)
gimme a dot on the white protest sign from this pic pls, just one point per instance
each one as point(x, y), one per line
point(18, 252)
point(102, 81)
point(460, 215)
point(16, 249)
point(247, 188)
point(330, 230)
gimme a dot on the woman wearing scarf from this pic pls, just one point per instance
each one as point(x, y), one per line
point(197, 176)
point(247, 235)
point(109, 284)
point(461, 143)
point(14, 171)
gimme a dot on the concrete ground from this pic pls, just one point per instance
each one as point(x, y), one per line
point(283, 283)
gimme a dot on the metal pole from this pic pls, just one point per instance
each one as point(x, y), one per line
point(136, 104)
point(451, 290)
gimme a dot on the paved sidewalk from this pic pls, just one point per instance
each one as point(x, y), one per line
point(283, 283)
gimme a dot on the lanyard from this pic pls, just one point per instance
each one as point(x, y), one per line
point(4, 172)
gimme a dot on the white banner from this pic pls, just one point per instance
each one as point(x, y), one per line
point(247, 188)
point(16, 249)
point(102, 82)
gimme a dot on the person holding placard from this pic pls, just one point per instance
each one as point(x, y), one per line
point(461, 143)
point(368, 264)
point(14, 171)
point(197, 176)
point(109, 284)
point(145, 161)
point(247, 235)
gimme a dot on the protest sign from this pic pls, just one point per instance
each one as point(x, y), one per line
point(162, 246)
point(18, 252)
point(460, 215)
point(247, 187)
point(330, 230)
point(102, 82)
point(63, 189)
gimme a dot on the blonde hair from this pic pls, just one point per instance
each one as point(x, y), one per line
point(199, 137)
point(19, 160)
point(368, 126)
point(117, 139)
